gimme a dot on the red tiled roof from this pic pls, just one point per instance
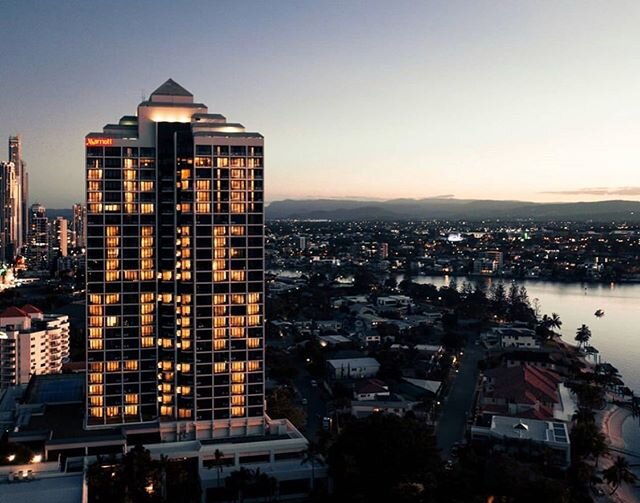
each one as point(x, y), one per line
point(13, 312)
point(30, 308)
point(371, 386)
point(524, 384)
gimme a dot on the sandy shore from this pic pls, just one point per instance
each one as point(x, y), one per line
point(612, 421)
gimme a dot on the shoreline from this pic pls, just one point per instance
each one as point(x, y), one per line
point(612, 426)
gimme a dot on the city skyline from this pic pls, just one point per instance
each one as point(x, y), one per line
point(485, 100)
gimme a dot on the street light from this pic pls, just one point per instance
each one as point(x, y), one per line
point(36, 458)
point(11, 457)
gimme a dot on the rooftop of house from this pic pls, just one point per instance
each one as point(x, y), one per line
point(523, 384)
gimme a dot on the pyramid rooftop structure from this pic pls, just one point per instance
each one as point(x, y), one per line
point(171, 88)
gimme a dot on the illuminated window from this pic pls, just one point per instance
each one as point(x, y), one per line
point(219, 344)
point(237, 366)
point(165, 365)
point(236, 321)
point(237, 389)
point(131, 365)
point(95, 411)
point(219, 299)
point(112, 264)
point(95, 197)
point(237, 400)
point(113, 208)
point(237, 333)
point(237, 230)
point(219, 367)
point(113, 366)
point(237, 185)
point(130, 275)
point(253, 309)
point(95, 366)
point(113, 253)
point(112, 275)
point(95, 208)
point(203, 185)
point(238, 207)
point(220, 276)
point(131, 410)
point(95, 378)
point(237, 276)
point(237, 173)
point(146, 186)
point(237, 377)
point(219, 333)
point(130, 398)
point(111, 321)
point(253, 343)
point(148, 330)
point(95, 321)
point(95, 389)
point(95, 310)
point(203, 197)
point(219, 242)
point(222, 162)
point(184, 413)
point(96, 401)
point(146, 275)
point(253, 365)
point(218, 265)
point(94, 174)
point(95, 333)
point(111, 242)
point(203, 208)
point(184, 367)
point(112, 298)
point(113, 411)
point(253, 297)
point(253, 321)
point(147, 308)
point(166, 410)
point(147, 231)
point(147, 319)
point(146, 342)
point(220, 310)
point(186, 344)
point(95, 344)
point(220, 253)
point(146, 208)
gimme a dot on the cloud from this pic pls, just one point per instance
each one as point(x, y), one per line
point(598, 191)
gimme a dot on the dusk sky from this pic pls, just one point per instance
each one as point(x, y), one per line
point(535, 100)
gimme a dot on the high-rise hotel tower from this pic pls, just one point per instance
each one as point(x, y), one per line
point(175, 271)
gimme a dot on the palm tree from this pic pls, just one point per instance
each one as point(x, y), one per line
point(555, 321)
point(312, 456)
point(584, 415)
point(583, 334)
point(618, 473)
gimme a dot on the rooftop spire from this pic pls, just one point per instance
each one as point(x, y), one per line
point(171, 88)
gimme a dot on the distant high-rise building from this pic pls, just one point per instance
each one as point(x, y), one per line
point(9, 211)
point(38, 245)
point(79, 226)
point(175, 288)
point(59, 238)
point(22, 193)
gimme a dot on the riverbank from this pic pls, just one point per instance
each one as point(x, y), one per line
point(618, 425)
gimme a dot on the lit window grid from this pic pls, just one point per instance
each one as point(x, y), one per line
point(110, 265)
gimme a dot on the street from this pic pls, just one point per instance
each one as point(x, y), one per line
point(459, 401)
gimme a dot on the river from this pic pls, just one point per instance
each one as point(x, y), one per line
point(616, 335)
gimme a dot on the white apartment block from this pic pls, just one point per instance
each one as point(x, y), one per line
point(31, 343)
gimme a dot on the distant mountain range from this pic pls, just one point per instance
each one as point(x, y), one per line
point(452, 209)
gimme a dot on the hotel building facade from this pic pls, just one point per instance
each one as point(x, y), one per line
point(175, 289)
